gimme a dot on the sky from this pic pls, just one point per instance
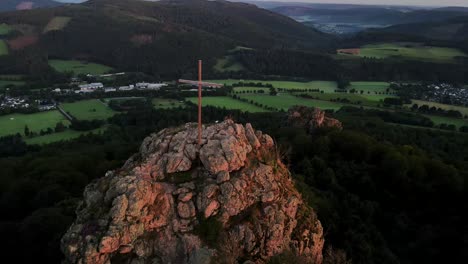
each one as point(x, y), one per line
point(369, 2)
point(388, 2)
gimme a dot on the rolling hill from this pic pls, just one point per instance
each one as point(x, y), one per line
point(159, 37)
point(364, 17)
point(9, 5)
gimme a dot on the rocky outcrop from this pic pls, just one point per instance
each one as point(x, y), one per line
point(175, 202)
point(311, 118)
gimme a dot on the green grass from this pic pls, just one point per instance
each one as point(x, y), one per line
point(461, 109)
point(372, 87)
point(15, 123)
point(107, 100)
point(79, 67)
point(448, 120)
point(411, 51)
point(362, 99)
point(285, 101)
point(88, 110)
point(5, 29)
point(15, 77)
point(3, 48)
point(162, 103)
point(4, 83)
point(228, 103)
point(326, 86)
point(61, 136)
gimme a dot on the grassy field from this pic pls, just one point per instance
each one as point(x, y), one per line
point(448, 120)
point(326, 86)
point(79, 67)
point(362, 99)
point(57, 23)
point(163, 103)
point(410, 51)
point(285, 101)
point(4, 29)
point(372, 87)
point(61, 136)
point(228, 103)
point(461, 109)
point(3, 48)
point(88, 110)
point(15, 123)
point(4, 83)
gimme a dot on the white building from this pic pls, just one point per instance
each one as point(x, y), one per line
point(126, 88)
point(109, 89)
point(150, 86)
point(91, 86)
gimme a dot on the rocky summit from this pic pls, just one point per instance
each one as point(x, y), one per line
point(311, 119)
point(230, 200)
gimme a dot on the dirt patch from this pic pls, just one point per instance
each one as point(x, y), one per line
point(22, 42)
point(349, 51)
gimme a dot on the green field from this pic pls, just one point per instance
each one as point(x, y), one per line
point(88, 110)
point(361, 99)
point(15, 123)
point(410, 51)
point(3, 48)
point(285, 101)
point(4, 83)
point(228, 103)
point(326, 86)
point(4, 29)
point(163, 103)
point(79, 67)
point(61, 136)
point(447, 120)
point(461, 109)
point(372, 87)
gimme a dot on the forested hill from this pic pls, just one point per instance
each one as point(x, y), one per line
point(8, 5)
point(160, 37)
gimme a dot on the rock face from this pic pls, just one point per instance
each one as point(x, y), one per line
point(311, 119)
point(157, 207)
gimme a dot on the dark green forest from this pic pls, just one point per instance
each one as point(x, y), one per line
point(384, 193)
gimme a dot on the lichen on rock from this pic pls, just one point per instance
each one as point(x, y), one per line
point(151, 210)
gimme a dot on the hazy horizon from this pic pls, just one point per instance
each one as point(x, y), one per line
point(358, 2)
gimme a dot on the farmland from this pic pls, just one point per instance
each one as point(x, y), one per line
point(3, 48)
point(248, 89)
point(163, 103)
point(285, 101)
point(410, 51)
point(15, 123)
point(228, 103)
point(326, 86)
point(5, 83)
point(88, 110)
point(461, 109)
point(448, 120)
point(4, 29)
point(61, 136)
point(79, 67)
